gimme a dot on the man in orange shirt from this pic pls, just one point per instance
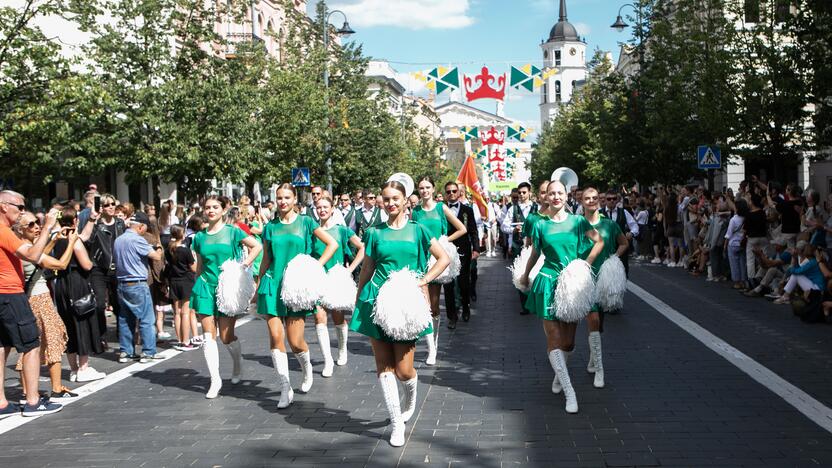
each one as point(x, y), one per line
point(17, 322)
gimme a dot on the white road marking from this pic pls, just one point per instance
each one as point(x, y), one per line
point(91, 388)
point(813, 409)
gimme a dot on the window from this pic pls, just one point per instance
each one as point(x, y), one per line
point(752, 11)
point(557, 58)
point(782, 10)
point(545, 94)
point(557, 91)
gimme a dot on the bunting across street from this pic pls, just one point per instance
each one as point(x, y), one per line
point(485, 85)
point(440, 79)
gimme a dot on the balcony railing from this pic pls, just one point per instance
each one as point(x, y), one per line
point(233, 39)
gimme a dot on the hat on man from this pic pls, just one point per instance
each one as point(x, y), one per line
point(139, 217)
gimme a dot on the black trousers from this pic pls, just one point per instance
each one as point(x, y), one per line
point(104, 285)
point(464, 283)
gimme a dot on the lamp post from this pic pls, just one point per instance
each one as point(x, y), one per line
point(345, 30)
point(620, 25)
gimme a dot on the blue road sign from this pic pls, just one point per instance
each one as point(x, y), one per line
point(300, 177)
point(709, 157)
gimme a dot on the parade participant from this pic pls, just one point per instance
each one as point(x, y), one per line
point(561, 238)
point(309, 209)
point(463, 198)
point(625, 222)
point(213, 246)
point(53, 335)
point(347, 241)
point(526, 231)
point(435, 218)
point(347, 210)
point(99, 236)
point(390, 247)
point(469, 249)
point(369, 214)
point(492, 229)
point(615, 243)
point(287, 236)
point(516, 215)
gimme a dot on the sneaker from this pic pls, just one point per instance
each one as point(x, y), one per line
point(64, 394)
point(196, 341)
point(43, 406)
point(124, 357)
point(41, 396)
point(656, 261)
point(148, 358)
point(89, 374)
point(782, 300)
point(10, 410)
point(163, 336)
point(772, 296)
point(671, 265)
point(185, 346)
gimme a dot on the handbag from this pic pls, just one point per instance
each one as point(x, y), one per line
point(86, 303)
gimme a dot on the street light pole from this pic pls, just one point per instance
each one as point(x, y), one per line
point(344, 31)
point(620, 25)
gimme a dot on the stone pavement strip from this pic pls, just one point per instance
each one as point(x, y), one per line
point(669, 401)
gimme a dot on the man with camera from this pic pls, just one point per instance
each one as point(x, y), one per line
point(132, 253)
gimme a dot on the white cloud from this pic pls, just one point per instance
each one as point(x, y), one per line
point(583, 29)
point(409, 14)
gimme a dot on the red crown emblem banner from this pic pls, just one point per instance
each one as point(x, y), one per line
point(493, 137)
point(485, 90)
point(496, 156)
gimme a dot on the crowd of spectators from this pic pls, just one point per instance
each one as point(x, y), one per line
point(767, 240)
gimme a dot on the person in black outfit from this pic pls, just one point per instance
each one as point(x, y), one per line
point(469, 249)
point(180, 275)
point(99, 236)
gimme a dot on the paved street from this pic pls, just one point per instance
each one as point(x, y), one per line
point(669, 400)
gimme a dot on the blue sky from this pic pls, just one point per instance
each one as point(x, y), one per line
point(419, 34)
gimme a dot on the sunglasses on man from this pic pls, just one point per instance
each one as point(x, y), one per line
point(450, 192)
point(19, 207)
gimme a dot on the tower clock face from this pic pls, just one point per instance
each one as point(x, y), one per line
point(572, 51)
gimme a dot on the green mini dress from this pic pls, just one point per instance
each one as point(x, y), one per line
point(342, 236)
point(213, 250)
point(560, 243)
point(391, 250)
point(285, 241)
point(433, 220)
point(609, 231)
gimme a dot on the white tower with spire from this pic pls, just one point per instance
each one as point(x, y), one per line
point(566, 52)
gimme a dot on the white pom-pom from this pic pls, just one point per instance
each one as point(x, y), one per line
point(611, 284)
point(303, 283)
point(575, 292)
point(401, 309)
point(235, 288)
point(518, 267)
point(340, 290)
point(453, 269)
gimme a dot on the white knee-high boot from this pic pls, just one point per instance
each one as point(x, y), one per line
point(433, 343)
point(409, 400)
point(591, 366)
point(558, 361)
point(387, 380)
point(237, 359)
point(323, 339)
point(212, 360)
point(595, 347)
point(343, 333)
point(306, 368)
point(556, 386)
point(281, 366)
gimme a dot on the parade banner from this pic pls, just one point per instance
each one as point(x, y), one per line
point(440, 79)
point(485, 85)
point(468, 177)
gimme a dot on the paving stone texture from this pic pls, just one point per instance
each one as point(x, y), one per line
point(669, 401)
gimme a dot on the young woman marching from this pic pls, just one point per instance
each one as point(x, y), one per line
point(561, 238)
point(346, 238)
point(435, 216)
point(615, 243)
point(287, 236)
point(213, 246)
point(390, 247)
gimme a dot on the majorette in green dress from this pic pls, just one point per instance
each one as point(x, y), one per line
point(213, 250)
point(285, 241)
point(609, 231)
point(560, 243)
point(391, 250)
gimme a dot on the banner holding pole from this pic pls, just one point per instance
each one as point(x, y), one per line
point(468, 177)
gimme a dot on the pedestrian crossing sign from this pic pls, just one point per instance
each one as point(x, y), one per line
point(709, 157)
point(300, 177)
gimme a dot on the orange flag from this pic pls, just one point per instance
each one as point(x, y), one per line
point(468, 177)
